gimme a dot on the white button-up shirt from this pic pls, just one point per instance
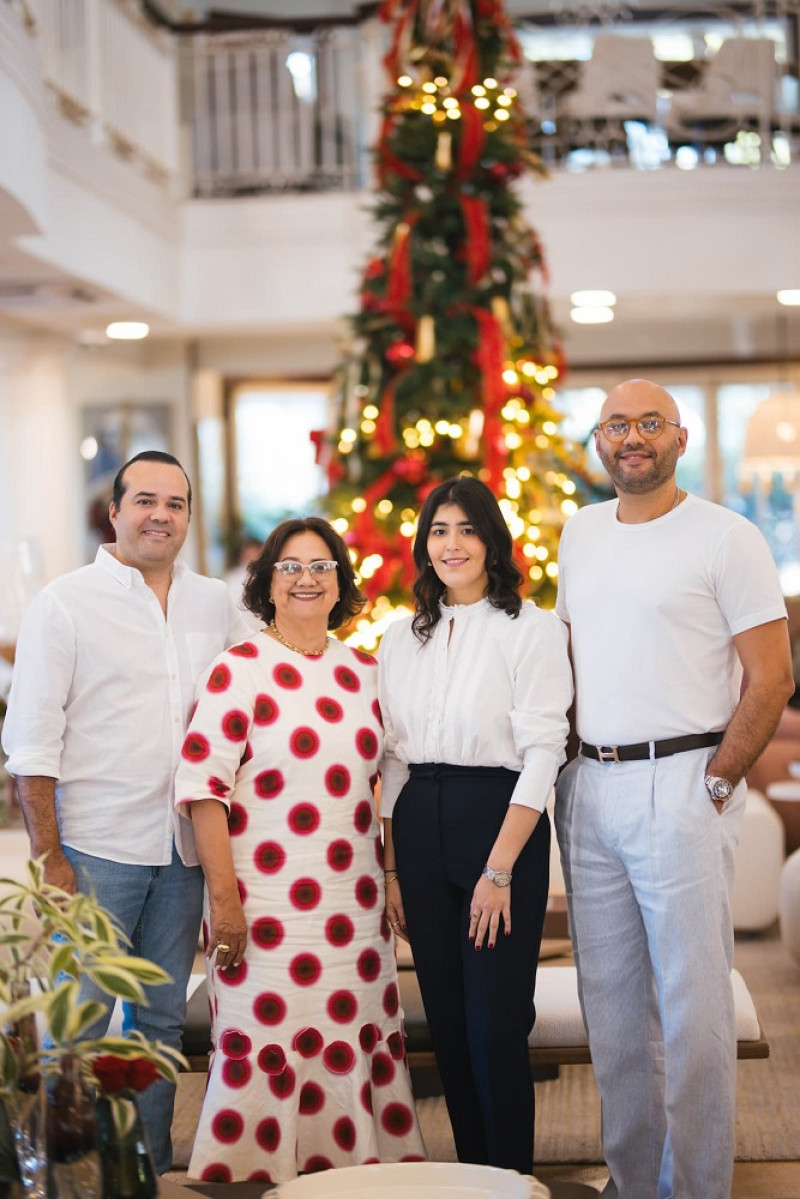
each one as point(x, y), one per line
point(484, 690)
point(101, 694)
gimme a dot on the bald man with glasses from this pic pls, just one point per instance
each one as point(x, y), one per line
point(672, 603)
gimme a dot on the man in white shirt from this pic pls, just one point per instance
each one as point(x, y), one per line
point(670, 600)
point(106, 664)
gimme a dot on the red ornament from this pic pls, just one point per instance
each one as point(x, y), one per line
point(375, 268)
point(399, 353)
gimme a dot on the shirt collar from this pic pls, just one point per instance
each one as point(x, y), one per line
point(464, 610)
point(106, 559)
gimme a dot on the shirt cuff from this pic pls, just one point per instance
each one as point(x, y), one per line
point(394, 776)
point(536, 780)
point(30, 763)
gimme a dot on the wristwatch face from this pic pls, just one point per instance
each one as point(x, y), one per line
point(500, 878)
point(719, 788)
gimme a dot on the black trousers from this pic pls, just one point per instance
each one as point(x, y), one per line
point(478, 1003)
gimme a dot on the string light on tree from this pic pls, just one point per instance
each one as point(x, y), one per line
point(454, 360)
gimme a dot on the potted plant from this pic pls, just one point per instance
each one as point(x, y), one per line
point(50, 941)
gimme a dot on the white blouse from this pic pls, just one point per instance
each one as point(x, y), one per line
point(485, 690)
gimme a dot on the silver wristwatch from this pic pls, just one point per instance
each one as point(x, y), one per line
point(500, 878)
point(718, 788)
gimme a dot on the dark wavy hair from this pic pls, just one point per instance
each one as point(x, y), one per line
point(257, 589)
point(483, 512)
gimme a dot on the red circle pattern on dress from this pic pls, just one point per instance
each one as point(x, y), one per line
point(312, 1099)
point(196, 748)
point(287, 676)
point(267, 933)
point(347, 679)
point(303, 819)
point(235, 725)
point(237, 820)
point(235, 1043)
point(220, 678)
point(305, 894)
point(335, 878)
point(337, 780)
point(304, 743)
point(339, 929)
point(269, 1008)
point(268, 784)
point(269, 857)
point(265, 710)
point(340, 855)
point(329, 709)
point(237, 1073)
point(305, 969)
point(246, 650)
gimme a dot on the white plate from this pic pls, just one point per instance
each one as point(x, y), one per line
point(414, 1180)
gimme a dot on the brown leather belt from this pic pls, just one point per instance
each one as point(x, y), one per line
point(660, 749)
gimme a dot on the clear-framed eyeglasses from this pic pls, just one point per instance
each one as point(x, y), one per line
point(317, 569)
point(650, 427)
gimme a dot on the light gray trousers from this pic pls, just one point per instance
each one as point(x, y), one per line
point(648, 865)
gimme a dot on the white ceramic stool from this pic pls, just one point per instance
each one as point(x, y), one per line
point(789, 905)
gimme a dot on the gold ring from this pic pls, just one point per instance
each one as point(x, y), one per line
point(223, 948)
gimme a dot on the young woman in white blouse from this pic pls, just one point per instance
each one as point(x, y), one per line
point(474, 691)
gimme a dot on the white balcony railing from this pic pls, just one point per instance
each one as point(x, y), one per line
point(277, 110)
point(112, 71)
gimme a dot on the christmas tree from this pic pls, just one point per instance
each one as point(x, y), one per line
point(453, 360)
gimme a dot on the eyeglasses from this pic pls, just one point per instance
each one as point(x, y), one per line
point(294, 570)
point(650, 427)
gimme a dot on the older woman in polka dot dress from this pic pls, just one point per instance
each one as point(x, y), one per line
point(308, 1068)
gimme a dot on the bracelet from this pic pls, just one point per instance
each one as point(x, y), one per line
point(387, 879)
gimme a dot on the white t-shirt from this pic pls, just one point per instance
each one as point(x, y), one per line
point(486, 689)
point(653, 608)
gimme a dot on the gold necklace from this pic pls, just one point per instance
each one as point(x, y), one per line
point(308, 653)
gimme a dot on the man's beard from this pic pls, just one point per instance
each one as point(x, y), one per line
point(661, 469)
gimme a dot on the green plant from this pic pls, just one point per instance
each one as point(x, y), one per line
point(50, 941)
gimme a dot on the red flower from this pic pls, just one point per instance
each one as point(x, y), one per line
point(115, 1074)
point(111, 1072)
point(141, 1073)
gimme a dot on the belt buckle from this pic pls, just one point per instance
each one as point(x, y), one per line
point(607, 753)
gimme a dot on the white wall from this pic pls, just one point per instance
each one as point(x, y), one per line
point(38, 482)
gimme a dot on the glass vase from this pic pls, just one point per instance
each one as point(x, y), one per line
point(10, 1182)
point(27, 1115)
point(75, 1171)
point(128, 1170)
point(25, 1106)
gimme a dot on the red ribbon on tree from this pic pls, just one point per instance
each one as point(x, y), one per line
point(397, 52)
point(389, 163)
point(398, 286)
point(473, 135)
point(490, 357)
point(385, 438)
point(476, 224)
point(466, 65)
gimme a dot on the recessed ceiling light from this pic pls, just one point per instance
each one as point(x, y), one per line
point(790, 296)
point(592, 316)
point(593, 299)
point(127, 330)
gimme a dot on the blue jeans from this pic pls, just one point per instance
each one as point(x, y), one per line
point(159, 908)
point(648, 864)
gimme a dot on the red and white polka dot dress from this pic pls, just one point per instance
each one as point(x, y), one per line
point(308, 1069)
